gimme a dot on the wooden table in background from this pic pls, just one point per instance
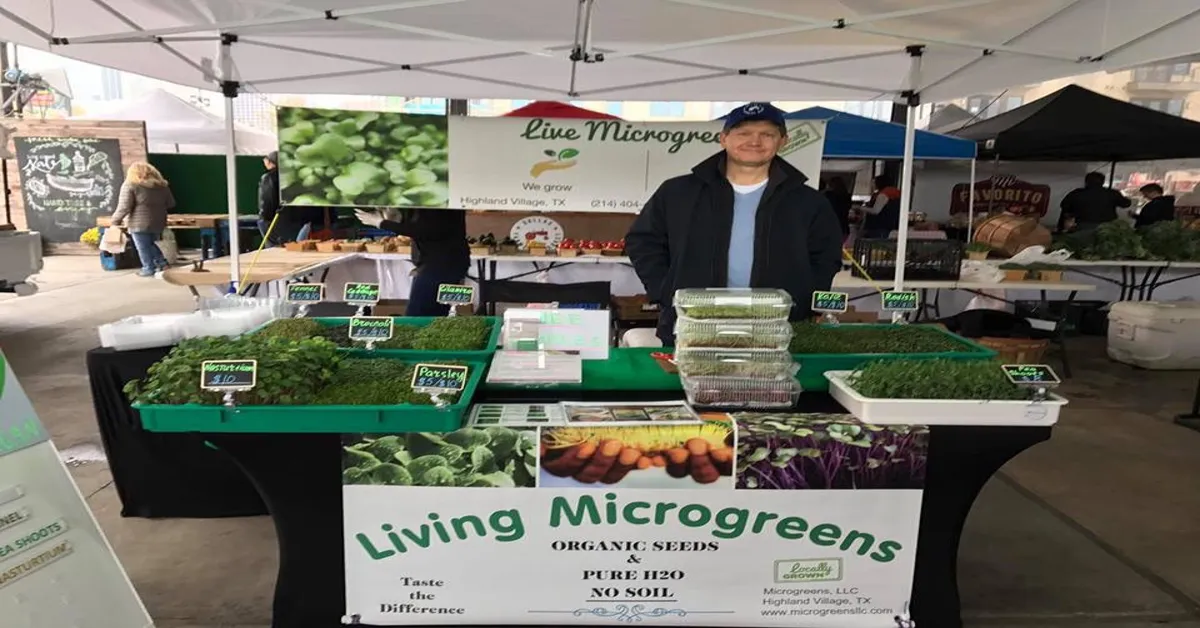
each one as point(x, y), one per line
point(273, 264)
point(212, 229)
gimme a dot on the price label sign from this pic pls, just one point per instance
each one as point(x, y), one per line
point(305, 292)
point(455, 294)
point(361, 293)
point(823, 301)
point(371, 328)
point(900, 300)
point(1031, 374)
point(228, 375)
point(435, 379)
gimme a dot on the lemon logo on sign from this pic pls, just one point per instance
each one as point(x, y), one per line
point(560, 160)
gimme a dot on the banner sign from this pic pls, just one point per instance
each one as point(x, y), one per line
point(66, 182)
point(337, 157)
point(1002, 193)
point(800, 520)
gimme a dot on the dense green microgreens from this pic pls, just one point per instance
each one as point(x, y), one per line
point(935, 379)
point(816, 338)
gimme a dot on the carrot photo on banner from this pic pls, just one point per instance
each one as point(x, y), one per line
point(697, 455)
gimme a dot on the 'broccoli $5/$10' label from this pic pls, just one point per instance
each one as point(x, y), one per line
point(372, 328)
point(435, 378)
point(361, 293)
point(228, 374)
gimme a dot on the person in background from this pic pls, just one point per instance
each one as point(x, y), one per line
point(295, 222)
point(1091, 205)
point(742, 218)
point(1158, 207)
point(268, 193)
point(841, 201)
point(144, 201)
point(881, 214)
point(439, 251)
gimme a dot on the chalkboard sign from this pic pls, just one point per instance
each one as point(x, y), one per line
point(66, 182)
point(454, 294)
point(305, 292)
point(830, 301)
point(900, 300)
point(228, 375)
point(439, 378)
point(371, 328)
point(361, 293)
point(1031, 374)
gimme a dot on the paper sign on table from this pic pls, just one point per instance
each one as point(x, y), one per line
point(228, 375)
point(582, 331)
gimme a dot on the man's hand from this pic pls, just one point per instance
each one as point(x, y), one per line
point(368, 217)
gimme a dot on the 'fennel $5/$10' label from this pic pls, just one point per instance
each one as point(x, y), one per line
point(228, 375)
point(306, 292)
point(439, 378)
point(361, 293)
point(371, 328)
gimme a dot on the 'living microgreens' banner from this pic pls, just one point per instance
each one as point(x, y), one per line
point(747, 519)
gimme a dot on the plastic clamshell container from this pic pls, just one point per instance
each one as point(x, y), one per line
point(741, 392)
point(225, 322)
point(692, 333)
point(480, 355)
point(943, 411)
point(813, 366)
point(142, 332)
point(312, 419)
point(757, 363)
point(733, 303)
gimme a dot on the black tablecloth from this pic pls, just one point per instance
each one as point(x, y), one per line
point(161, 475)
point(305, 504)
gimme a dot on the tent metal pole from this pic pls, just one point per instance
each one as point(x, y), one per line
point(906, 168)
point(971, 204)
point(229, 89)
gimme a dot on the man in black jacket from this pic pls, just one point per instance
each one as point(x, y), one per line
point(1158, 207)
point(439, 251)
point(743, 218)
point(295, 221)
point(1091, 205)
point(268, 193)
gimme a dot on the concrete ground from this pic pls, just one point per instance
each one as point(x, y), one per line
point(1094, 527)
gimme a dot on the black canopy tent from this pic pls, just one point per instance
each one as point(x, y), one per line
point(1077, 124)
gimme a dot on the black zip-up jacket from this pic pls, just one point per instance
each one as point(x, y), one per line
point(681, 238)
point(1092, 205)
point(439, 237)
point(268, 195)
point(1157, 210)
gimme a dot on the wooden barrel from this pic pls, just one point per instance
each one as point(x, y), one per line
point(1010, 234)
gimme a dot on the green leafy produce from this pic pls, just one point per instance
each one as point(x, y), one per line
point(362, 158)
point(935, 379)
point(374, 382)
point(765, 364)
point(978, 247)
point(291, 329)
point(727, 312)
point(1114, 240)
point(491, 457)
point(458, 333)
point(289, 372)
point(866, 339)
point(1171, 240)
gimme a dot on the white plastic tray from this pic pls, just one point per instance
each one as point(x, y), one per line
point(943, 411)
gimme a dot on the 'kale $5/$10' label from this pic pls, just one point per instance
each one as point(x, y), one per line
point(826, 301)
point(439, 377)
point(372, 328)
point(367, 293)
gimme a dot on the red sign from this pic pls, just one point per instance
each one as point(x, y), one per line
point(1003, 192)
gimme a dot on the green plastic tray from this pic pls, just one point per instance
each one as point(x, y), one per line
point(312, 419)
point(479, 355)
point(814, 365)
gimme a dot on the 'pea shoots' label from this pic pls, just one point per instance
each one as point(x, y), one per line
point(306, 292)
point(823, 301)
point(900, 300)
point(228, 375)
point(1031, 374)
point(371, 328)
point(454, 294)
point(361, 293)
point(439, 378)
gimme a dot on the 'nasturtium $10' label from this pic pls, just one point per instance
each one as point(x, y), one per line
point(223, 375)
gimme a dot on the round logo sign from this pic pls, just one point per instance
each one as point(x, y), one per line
point(537, 229)
point(753, 108)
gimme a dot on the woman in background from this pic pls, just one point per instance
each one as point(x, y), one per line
point(144, 200)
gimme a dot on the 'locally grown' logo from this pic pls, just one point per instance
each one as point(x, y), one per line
point(559, 160)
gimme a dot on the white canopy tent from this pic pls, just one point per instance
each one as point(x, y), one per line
point(176, 126)
point(721, 50)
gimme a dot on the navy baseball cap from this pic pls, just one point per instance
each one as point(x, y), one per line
point(756, 111)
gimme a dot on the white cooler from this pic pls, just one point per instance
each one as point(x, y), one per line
point(1154, 335)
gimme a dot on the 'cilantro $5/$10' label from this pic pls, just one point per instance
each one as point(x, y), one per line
point(455, 294)
point(223, 375)
point(371, 328)
point(361, 293)
point(439, 378)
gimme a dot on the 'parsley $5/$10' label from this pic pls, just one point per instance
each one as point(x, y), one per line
point(371, 328)
point(228, 374)
point(440, 377)
point(455, 294)
point(367, 293)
